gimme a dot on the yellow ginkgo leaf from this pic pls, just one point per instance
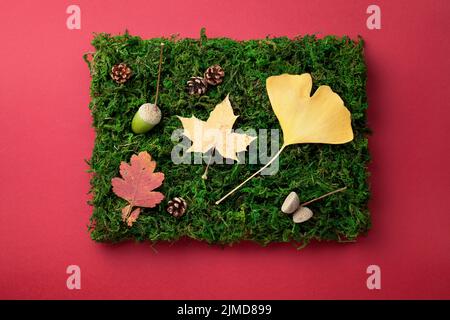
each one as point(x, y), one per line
point(216, 132)
point(322, 118)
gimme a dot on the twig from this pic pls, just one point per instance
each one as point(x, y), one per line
point(321, 197)
point(159, 72)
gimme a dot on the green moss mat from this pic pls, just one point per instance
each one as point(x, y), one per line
point(252, 213)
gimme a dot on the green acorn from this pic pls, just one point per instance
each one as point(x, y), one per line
point(149, 114)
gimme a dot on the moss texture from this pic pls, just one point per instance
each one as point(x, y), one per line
point(252, 213)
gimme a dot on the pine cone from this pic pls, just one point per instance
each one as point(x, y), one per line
point(197, 86)
point(120, 73)
point(214, 75)
point(176, 207)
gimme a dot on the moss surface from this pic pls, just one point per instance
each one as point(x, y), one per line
point(252, 213)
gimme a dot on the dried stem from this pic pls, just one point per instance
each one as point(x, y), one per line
point(253, 175)
point(321, 197)
point(159, 73)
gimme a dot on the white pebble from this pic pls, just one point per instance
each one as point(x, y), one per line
point(302, 214)
point(291, 203)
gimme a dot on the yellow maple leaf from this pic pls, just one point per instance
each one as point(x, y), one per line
point(216, 132)
point(322, 118)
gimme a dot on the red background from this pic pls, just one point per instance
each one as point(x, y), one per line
point(46, 135)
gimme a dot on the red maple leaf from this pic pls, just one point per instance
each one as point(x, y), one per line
point(137, 184)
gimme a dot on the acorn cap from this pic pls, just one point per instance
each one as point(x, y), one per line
point(148, 116)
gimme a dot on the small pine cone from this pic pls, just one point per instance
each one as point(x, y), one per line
point(176, 207)
point(214, 75)
point(197, 86)
point(121, 73)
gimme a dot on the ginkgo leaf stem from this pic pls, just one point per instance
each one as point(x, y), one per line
point(159, 73)
point(253, 175)
point(323, 196)
point(205, 174)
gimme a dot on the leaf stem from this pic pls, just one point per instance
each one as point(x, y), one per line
point(205, 174)
point(159, 72)
point(321, 197)
point(253, 175)
point(130, 207)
